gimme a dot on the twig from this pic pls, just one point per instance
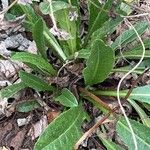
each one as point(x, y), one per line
point(95, 98)
point(133, 16)
point(91, 130)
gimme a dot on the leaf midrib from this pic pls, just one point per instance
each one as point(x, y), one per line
point(96, 67)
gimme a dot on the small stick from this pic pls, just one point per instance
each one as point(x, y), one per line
point(91, 130)
point(133, 16)
point(95, 98)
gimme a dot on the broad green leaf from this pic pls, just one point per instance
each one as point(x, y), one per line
point(107, 28)
point(63, 132)
point(139, 70)
point(34, 82)
point(136, 52)
point(111, 145)
point(126, 8)
point(56, 5)
point(130, 35)
point(38, 37)
point(52, 42)
point(36, 60)
point(67, 98)
point(31, 16)
point(141, 132)
point(27, 106)
point(144, 117)
point(141, 94)
point(144, 64)
point(69, 26)
point(99, 63)
point(126, 69)
point(147, 106)
point(9, 91)
point(98, 14)
point(83, 53)
point(45, 8)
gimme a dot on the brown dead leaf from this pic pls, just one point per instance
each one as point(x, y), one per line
point(3, 105)
point(61, 34)
point(6, 108)
point(16, 142)
point(14, 24)
point(51, 115)
point(4, 130)
point(9, 68)
point(38, 128)
point(75, 68)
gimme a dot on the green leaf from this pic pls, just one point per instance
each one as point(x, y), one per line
point(56, 5)
point(66, 25)
point(52, 42)
point(67, 98)
point(31, 16)
point(99, 63)
point(63, 132)
point(98, 14)
point(126, 8)
point(34, 82)
point(27, 106)
point(144, 64)
point(36, 60)
point(144, 117)
point(107, 28)
point(141, 94)
point(44, 8)
point(130, 35)
point(38, 37)
point(111, 145)
point(9, 91)
point(83, 53)
point(141, 132)
point(136, 52)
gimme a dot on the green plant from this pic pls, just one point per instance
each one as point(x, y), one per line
point(98, 58)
